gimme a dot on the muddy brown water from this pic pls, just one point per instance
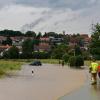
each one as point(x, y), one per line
point(24, 80)
point(87, 92)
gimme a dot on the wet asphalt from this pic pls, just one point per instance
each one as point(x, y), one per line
point(86, 92)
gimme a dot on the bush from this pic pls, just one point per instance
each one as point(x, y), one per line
point(72, 61)
point(97, 57)
point(86, 55)
point(25, 56)
point(76, 61)
point(71, 52)
point(79, 61)
point(65, 57)
point(12, 53)
point(41, 55)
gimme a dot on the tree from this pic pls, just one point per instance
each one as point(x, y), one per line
point(76, 61)
point(27, 48)
point(45, 35)
point(94, 46)
point(53, 34)
point(79, 61)
point(30, 34)
point(65, 57)
point(59, 51)
point(66, 39)
point(77, 50)
point(8, 41)
point(39, 35)
point(36, 42)
point(10, 33)
point(12, 53)
point(72, 61)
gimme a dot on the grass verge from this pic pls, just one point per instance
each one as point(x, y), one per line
point(6, 66)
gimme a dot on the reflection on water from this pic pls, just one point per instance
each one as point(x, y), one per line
point(95, 92)
point(88, 92)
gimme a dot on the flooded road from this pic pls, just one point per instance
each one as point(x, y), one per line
point(87, 92)
point(48, 82)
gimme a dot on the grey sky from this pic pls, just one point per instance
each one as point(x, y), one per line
point(73, 4)
point(49, 15)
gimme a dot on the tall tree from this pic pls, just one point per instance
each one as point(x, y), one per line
point(78, 51)
point(10, 33)
point(95, 41)
point(27, 48)
point(30, 34)
point(59, 51)
point(39, 35)
point(13, 52)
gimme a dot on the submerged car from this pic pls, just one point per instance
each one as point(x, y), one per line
point(36, 63)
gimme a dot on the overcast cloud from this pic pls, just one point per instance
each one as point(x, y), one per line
point(73, 16)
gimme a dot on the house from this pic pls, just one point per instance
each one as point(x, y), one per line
point(4, 48)
point(86, 40)
point(43, 45)
point(54, 40)
point(2, 38)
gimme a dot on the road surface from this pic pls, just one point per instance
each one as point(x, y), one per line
point(48, 82)
point(87, 92)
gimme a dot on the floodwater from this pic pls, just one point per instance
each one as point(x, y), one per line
point(44, 84)
point(87, 92)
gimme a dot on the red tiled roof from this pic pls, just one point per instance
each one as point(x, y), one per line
point(84, 35)
point(44, 39)
point(5, 47)
point(44, 46)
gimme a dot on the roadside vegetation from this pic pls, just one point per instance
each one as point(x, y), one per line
point(7, 65)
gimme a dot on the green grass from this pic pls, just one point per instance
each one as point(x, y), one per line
point(6, 66)
point(50, 61)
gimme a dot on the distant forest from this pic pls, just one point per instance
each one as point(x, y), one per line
point(12, 33)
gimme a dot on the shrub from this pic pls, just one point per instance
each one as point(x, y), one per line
point(65, 57)
point(41, 55)
point(72, 61)
point(25, 56)
point(79, 61)
point(2, 72)
point(13, 52)
point(97, 57)
point(76, 61)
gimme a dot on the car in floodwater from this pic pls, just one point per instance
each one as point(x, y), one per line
point(36, 63)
